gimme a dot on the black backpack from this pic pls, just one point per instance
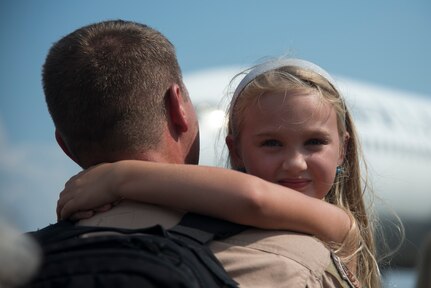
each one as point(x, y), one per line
point(150, 257)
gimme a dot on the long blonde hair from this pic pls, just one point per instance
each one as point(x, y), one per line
point(349, 187)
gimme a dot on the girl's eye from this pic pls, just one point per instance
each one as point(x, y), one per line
point(316, 141)
point(271, 143)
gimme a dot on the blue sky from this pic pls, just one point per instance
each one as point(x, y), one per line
point(382, 42)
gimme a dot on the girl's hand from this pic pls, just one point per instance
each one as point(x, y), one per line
point(90, 191)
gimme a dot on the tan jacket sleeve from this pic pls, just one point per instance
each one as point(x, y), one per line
point(273, 259)
point(256, 269)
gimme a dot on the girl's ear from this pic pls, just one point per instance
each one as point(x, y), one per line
point(343, 151)
point(235, 158)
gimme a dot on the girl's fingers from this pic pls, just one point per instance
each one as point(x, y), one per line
point(82, 215)
point(60, 204)
point(67, 210)
point(104, 208)
point(62, 200)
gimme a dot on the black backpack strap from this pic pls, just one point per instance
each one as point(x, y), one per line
point(205, 229)
point(195, 228)
point(190, 233)
point(66, 229)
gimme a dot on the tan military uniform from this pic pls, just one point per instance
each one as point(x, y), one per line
point(254, 258)
point(260, 258)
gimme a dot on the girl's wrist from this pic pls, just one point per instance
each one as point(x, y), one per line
point(119, 179)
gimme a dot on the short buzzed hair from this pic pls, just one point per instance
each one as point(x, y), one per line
point(105, 86)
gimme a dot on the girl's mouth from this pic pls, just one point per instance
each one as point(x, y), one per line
point(296, 184)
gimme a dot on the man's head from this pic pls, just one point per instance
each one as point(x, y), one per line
point(109, 88)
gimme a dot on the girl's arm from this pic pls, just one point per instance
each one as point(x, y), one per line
point(217, 192)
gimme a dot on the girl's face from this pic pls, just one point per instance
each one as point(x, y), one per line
point(291, 140)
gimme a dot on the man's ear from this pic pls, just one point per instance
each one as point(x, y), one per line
point(345, 146)
point(64, 147)
point(177, 112)
point(235, 158)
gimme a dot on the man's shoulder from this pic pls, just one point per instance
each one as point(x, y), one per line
point(301, 248)
point(261, 258)
point(294, 250)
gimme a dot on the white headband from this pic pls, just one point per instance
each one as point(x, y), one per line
point(278, 63)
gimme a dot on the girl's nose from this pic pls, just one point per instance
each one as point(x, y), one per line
point(294, 161)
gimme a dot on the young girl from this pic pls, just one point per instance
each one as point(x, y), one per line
point(288, 125)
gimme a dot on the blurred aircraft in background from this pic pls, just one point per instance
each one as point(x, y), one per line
point(395, 132)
